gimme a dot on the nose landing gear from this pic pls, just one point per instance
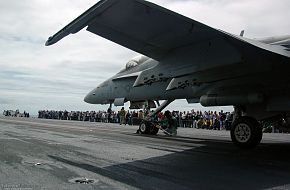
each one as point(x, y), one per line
point(148, 127)
point(149, 124)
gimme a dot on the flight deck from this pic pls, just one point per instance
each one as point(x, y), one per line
point(54, 154)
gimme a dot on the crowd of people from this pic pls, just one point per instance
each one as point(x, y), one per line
point(16, 113)
point(194, 119)
point(205, 120)
point(108, 116)
point(190, 119)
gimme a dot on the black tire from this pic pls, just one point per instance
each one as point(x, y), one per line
point(246, 132)
point(144, 128)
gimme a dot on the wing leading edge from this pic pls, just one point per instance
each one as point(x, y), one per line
point(149, 29)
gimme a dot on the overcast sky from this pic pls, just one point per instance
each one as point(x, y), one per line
point(34, 77)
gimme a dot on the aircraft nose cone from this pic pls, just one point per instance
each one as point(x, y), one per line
point(86, 99)
point(89, 98)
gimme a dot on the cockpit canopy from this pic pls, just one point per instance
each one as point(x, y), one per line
point(130, 64)
point(134, 62)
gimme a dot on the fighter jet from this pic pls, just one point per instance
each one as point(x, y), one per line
point(186, 59)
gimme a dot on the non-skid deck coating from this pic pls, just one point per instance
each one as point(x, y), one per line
point(51, 154)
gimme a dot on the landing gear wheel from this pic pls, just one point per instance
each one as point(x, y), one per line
point(147, 127)
point(246, 132)
point(144, 128)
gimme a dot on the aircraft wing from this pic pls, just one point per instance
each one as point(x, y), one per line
point(150, 29)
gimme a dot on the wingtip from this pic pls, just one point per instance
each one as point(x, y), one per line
point(48, 42)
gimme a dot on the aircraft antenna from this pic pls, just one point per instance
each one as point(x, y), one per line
point(242, 33)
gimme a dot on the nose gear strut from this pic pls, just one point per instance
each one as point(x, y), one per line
point(149, 124)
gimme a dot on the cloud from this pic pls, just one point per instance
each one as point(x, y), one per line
point(258, 18)
point(34, 77)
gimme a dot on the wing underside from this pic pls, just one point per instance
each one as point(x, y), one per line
point(148, 28)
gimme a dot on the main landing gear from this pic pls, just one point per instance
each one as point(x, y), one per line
point(246, 132)
point(148, 125)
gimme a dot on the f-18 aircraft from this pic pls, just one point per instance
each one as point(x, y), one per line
point(185, 59)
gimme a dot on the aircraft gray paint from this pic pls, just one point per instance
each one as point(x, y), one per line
point(189, 60)
point(121, 86)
